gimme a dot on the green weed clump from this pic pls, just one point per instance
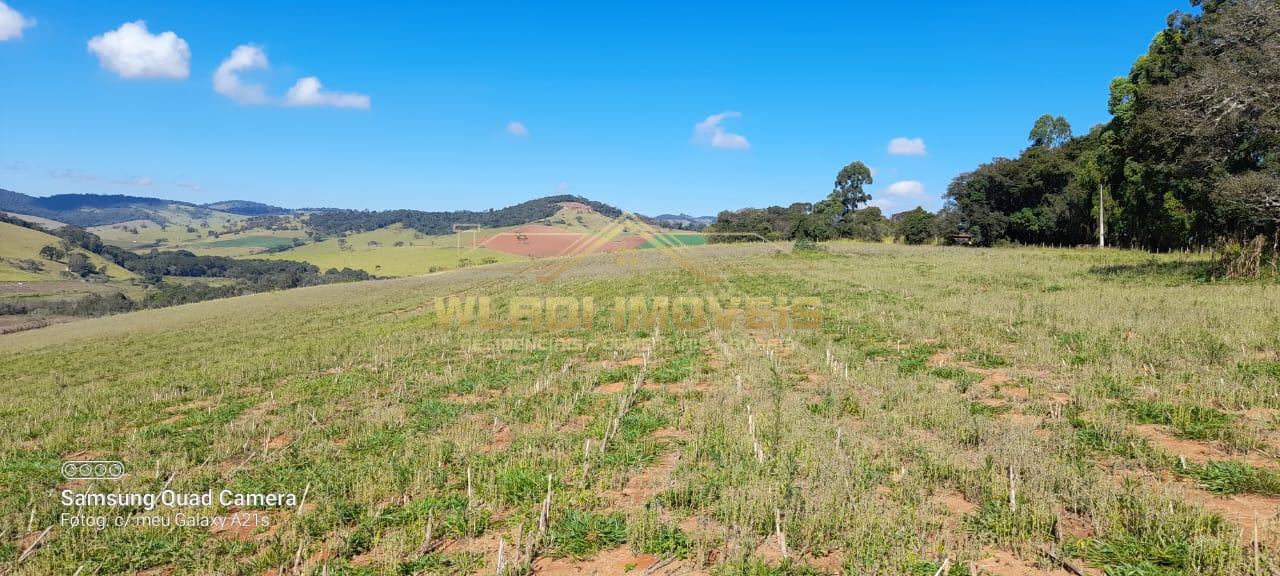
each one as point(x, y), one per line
point(1226, 477)
point(583, 534)
point(1193, 422)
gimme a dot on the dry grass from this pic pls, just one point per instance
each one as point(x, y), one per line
point(997, 410)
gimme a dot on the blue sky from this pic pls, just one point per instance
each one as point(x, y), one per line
point(412, 105)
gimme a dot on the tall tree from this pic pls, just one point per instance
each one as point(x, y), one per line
point(1050, 132)
point(847, 194)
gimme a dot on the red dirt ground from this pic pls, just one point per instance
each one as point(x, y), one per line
point(541, 241)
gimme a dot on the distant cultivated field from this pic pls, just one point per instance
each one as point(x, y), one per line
point(376, 252)
point(676, 238)
point(177, 218)
point(1006, 411)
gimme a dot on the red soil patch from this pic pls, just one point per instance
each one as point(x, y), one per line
point(615, 562)
point(469, 399)
point(502, 439)
point(578, 424)
point(1247, 511)
point(648, 482)
point(1198, 451)
point(611, 364)
point(280, 441)
point(1001, 563)
point(669, 433)
point(160, 571)
point(955, 503)
point(611, 388)
point(536, 240)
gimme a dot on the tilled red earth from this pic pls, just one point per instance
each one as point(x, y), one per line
point(540, 241)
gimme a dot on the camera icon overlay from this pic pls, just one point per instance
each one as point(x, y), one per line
point(92, 470)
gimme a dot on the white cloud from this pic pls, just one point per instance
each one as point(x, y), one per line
point(133, 52)
point(562, 188)
point(517, 129)
point(12, 22)
point(711, 133)
point(141, 182)
point(72, 175)
point(883, 205)
point(309, 92)
point(226, 79)
point(907, 146)
point(906, 189)
point(192, 186)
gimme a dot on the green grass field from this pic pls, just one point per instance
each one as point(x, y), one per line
point(676, 238)
point(251, 241)
point(177, 218)
point(999, 411)
point(20, 243)
point(376, 252)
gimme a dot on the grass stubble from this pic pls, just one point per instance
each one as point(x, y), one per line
point(959, 411)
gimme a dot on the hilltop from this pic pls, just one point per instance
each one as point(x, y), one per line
point(99, 210)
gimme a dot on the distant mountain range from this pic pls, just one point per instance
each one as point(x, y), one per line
point(88, 210)
point(99, 210)
point(684, 221)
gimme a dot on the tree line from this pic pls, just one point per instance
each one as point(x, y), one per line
point(840, 215)
point(332, 222)
point(1190, 156)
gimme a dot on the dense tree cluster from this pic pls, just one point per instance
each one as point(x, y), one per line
point(1191, 154)
point(836, 216)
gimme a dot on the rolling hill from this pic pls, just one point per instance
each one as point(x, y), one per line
point(88, 210)
point(18, 244)
point(385, 243)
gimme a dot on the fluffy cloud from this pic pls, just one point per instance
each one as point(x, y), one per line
point(711, 133)
point(517, 129)
point(309, 92)
point(226, 79)
point(133, 52)
point(907, 147)
point(12, 22)
point(906, 189)
point(306, 91)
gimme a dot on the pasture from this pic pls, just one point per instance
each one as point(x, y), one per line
point(961, 411)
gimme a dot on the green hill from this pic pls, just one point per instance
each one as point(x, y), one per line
point(18, 244)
